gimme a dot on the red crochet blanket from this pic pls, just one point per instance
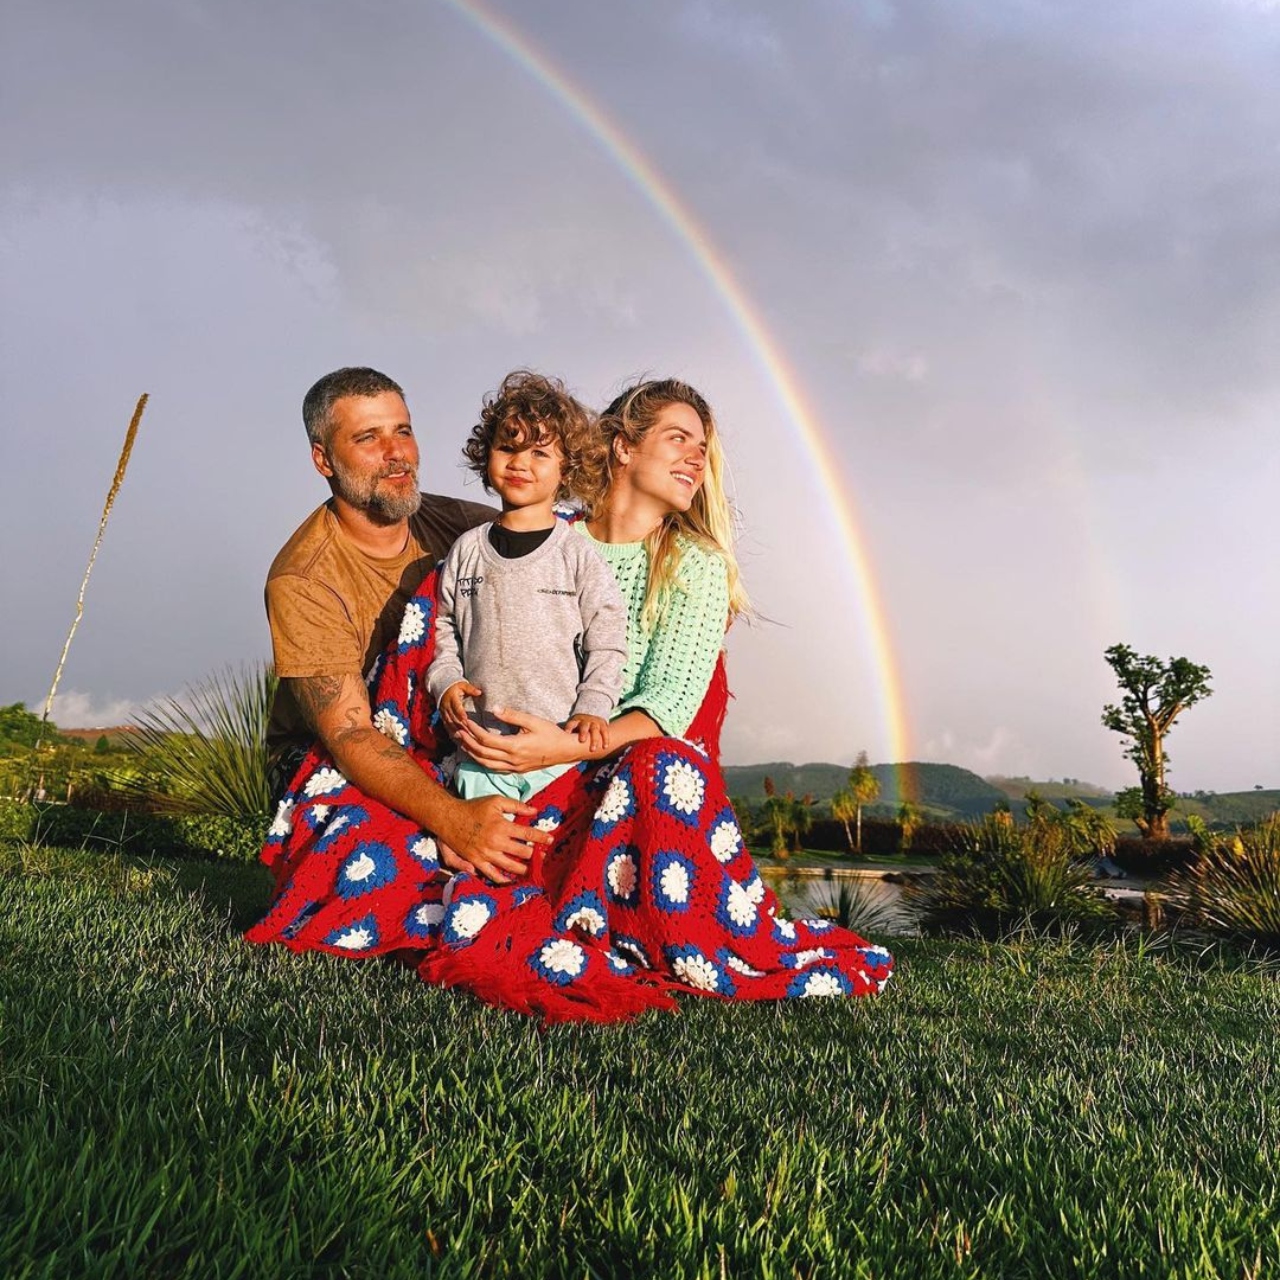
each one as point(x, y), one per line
point(647, 890)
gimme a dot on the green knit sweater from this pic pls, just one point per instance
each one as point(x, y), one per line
point(669, 668)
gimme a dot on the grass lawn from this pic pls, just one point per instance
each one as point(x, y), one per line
point(174, 1102)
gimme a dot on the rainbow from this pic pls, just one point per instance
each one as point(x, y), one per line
point(746, 316)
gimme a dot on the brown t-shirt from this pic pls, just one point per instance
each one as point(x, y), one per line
point(332, 608)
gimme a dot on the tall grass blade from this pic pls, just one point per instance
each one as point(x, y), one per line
point(122, 465)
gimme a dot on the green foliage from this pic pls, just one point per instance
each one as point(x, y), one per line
point(1155, 694)
point(910, 820)
point(1002, 877)
point(207, 754)
point(863, 788)
point(20, 727)
point(1233, 885)
point(786, 818)
point(844, 809)
point(175, 1103)
point(201, 835)
point(857, 904)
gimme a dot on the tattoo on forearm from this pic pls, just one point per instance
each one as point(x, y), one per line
point(315, 694)
point(357, 735)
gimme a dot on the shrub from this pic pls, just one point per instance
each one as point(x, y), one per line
point(1233, 885)
point(207, 755)
point(146, 834)
point(857, 904)
point(1003, 878)
point(1152, 857)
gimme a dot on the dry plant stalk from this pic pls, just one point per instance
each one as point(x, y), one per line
point(116, 481)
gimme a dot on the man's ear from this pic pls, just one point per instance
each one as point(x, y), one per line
point(320, 460)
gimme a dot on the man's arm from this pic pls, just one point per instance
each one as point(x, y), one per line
point(478, 832)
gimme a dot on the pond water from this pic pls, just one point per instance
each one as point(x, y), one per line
point(881, 904)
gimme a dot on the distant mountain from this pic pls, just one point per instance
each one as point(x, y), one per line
point(945, 792)
point(1067, 788)
point(942, 790)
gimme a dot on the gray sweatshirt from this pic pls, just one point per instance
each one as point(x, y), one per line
point(544, 633)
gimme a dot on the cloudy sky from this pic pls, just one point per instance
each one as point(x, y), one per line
point(1021, 261)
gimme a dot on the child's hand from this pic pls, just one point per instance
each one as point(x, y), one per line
point(592, 731)
point(453, 709)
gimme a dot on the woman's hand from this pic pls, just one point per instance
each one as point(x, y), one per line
point(539, 744)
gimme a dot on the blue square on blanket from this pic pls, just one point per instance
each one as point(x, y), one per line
point(361, 936)
point(617, 803)
point(467, 915)
point(584, 911)
point(370, 865)
point(821, 980)
point(424, 920)
point(342, 820)
point(415, 624)
point(698, 970)
point(681, 787)
point(559, 961)
point(672, 878)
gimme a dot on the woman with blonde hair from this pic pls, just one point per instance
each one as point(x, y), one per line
point(648, 888)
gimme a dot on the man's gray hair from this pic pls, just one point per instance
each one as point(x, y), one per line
point(317, 404)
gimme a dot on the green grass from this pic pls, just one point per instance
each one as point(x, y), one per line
point(825, 859)
point(175, 1103)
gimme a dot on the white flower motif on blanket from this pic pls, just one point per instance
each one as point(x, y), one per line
point(683, 787)
point(390, 726)
point(282, 823)
point(621, 874)
point(323, 782)
point(726, 840)
point(697, 971)
point(425, 850)
point(615, 803)
point(822, 984)
point(470, 916)
point(412, 624)
point(675, 883)
point(563, 956)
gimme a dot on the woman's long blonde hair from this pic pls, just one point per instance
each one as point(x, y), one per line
point(710, 519)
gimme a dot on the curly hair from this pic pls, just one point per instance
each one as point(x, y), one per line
point(710, 519)
point(529, 408)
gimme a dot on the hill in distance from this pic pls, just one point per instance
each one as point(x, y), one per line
point(941, 790)
point(947, 792)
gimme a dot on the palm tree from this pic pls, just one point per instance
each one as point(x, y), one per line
point(844, 808)
point(864, 786)
point(909, 820)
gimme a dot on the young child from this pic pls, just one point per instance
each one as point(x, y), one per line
point(529, 615)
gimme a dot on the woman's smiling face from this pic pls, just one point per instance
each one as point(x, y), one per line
point(669, 464)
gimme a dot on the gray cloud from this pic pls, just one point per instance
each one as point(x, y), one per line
point(1024, 261)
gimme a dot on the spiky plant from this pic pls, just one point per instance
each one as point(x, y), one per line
point(858, 904)
point(207, 752)
point(1002, 878)
point(1233, 885)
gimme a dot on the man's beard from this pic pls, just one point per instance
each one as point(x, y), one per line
point(363, 493)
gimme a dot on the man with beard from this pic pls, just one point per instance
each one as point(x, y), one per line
point(335, 596)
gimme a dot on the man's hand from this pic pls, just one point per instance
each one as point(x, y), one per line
point(481, 834)
point(592, 731)
point(483, 837)
point(453, 707)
